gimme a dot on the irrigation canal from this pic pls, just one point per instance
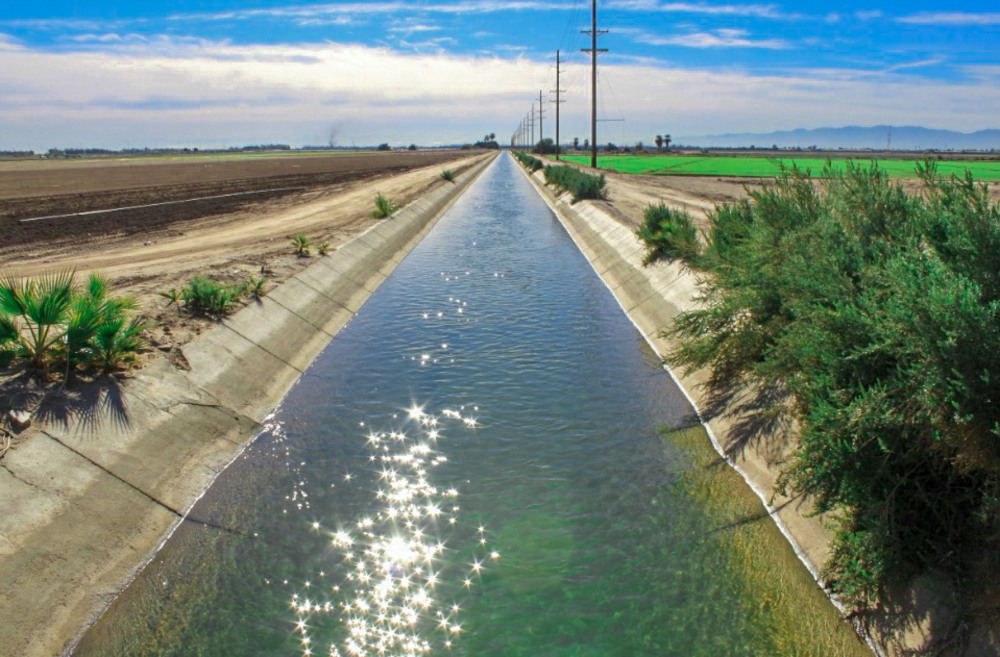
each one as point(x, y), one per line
point(472, 467)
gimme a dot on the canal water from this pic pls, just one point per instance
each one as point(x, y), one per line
point(474, 466)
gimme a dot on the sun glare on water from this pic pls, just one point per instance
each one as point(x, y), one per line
point(400, 577)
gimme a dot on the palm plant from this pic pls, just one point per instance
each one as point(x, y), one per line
point(203, 295)
point(117, 340)
point(93, 313)
point(34, 314)
point(323, 248)
point(383, 207)
point(172, 296)
point(302, 244)
point(256, 286)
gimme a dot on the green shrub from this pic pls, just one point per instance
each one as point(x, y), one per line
point(383, 207)
point(448, 175)
point(204, 296)
point(302, 244)
point(257, 287)
point(668, 233)
point(323, 248)
point(532, 164)
point(581, 185)
point(877, 312)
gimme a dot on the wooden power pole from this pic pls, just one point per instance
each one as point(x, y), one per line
point(593, 50)
point(541, 136)
point(558, 102)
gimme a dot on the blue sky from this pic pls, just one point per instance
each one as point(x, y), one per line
point(217, 73)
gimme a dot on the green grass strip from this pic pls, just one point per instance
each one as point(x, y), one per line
point(766, 167)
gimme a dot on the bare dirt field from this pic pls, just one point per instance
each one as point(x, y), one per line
point(148, 250)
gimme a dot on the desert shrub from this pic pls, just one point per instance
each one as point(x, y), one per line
point(448, 175)
point(668, 233)
point(581, 185)
point(323, 248)
point(204, 296)
point(302, 244)
point(878, 313)
point(383, 207)
point(532, 164)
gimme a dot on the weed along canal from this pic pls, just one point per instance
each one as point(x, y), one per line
point(480, 463)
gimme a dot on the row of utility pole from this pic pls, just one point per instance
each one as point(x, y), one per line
point(524, 135)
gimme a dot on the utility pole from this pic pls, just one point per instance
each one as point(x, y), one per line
point(531, 124)
point(593, 50)
point(558, 91)
point(541, 135)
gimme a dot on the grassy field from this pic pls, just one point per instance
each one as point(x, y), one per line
point(765, 167)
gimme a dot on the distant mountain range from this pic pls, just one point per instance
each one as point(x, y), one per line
point(877, 137)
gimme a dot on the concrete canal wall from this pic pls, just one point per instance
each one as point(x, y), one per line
point(92, 491)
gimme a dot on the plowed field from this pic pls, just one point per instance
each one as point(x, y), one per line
point(222, 184)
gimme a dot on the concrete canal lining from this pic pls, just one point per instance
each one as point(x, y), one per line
point(92, 492)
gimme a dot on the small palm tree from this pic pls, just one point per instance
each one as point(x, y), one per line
point(256, 287)
point(172, 296)
point(34, 314)
point(383, 207)
point(117, 341)
point(302, 244)
point(99, 330)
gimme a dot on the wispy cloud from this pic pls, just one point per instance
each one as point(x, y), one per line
point(721, 38)
point(412, 28)
point(754, 10)
point(428, 45)
point(922, 63)
point(951, 18)
point(8, 42)
point(373, 9)
point(868, 14)
point(61, 24)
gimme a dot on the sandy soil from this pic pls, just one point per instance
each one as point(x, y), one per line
point(153, 250)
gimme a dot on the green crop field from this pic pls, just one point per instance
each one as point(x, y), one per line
point(766, 167)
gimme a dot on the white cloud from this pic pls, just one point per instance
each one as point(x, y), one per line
point(374, 8)
point(721, 38)
point(922, 63)
point(189, 92)
point(433, 45)
point(8, 42)
point(407, 28)
point(952, 18)
point(868, 14)
point(754, 10)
